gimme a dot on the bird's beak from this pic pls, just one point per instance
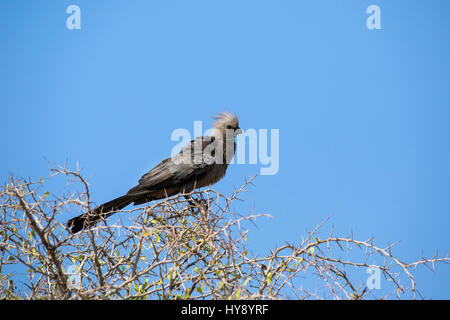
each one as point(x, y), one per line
point(237, 131)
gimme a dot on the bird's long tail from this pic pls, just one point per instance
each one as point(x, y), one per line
point(88, 219)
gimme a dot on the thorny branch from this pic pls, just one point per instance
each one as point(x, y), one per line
point(183, 247)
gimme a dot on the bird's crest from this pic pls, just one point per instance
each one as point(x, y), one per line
point(225, 117)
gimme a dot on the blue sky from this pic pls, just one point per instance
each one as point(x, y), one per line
point(363, 114)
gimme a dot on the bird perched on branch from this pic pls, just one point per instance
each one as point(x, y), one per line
point(201, 163)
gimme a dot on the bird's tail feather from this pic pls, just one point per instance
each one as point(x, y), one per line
point(88, 219)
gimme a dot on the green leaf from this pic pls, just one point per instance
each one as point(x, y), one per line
point(246, 281)
point(269, 278)
point(46, 194)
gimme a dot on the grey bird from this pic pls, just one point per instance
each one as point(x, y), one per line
point(203, 162)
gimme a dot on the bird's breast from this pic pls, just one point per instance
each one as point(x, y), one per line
point(217, 172)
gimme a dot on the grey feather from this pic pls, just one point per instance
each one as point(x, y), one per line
point(203, 162)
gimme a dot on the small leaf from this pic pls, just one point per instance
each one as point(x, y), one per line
point(269, 278)
point(146, 233)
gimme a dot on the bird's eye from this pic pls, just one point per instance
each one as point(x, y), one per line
point(229, 126)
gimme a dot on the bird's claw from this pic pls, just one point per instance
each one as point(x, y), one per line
point(197, 203)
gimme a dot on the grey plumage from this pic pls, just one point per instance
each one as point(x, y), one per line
point(203, 162)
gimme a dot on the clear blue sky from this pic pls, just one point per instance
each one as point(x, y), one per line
point(363, 114)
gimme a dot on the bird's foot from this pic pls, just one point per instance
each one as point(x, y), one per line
point(194, 203)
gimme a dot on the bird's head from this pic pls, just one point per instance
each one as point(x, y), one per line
point(227, 122)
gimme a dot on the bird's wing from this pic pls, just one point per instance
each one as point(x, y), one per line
point(191, 162)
